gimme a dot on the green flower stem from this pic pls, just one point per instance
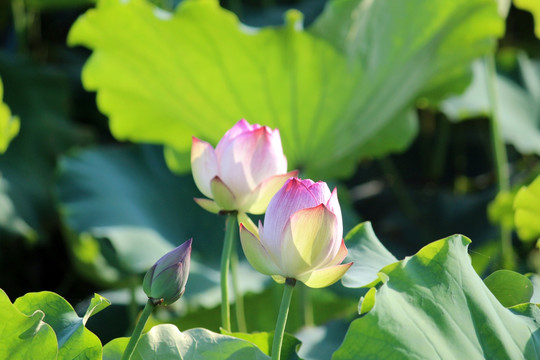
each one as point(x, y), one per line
point(133, 308)
point(134, 339)
point(307, 305)
point(282, 318)
point(20, 20)
point(230, 235)
point(238, 299)
point(501, 164)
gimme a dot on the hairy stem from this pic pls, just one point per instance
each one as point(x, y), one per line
point(282, 318)
point(501, 164)
point(134, 339)
point(238, 299)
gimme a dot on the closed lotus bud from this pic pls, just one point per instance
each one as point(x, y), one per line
point(165, 282)
point(243, 172)
point(302, 236)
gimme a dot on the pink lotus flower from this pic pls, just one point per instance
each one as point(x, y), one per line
point(302, 237)
point(244, 171)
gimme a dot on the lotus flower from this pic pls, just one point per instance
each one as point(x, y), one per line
point(166, 280)
point(244, 171)
point(302, 237)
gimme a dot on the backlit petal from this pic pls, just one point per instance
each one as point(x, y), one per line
point(258, 200)
point(293, 196)
point(308, 239)
point(332, 260)
point(208, 205)
point(251, 158)
point(243, 218)
point(326, 276)
point(267, 159)
point(320, 192)
point(204, 165)
point(223, 196)
point(257, 255)
point(238, 128)
point(333, 205)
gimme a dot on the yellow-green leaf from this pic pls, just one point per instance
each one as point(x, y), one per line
point(9, 124)
point(527, 211)
point(162, 77)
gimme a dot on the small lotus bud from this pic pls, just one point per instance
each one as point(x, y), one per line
point(166, 280)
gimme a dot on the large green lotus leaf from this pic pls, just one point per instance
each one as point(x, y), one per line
point(40, 96)
point(518, 107)
point(167, 342)
point(367, 253)
point(527, 211)
point(408, 49)
point(319, 343)
point(127, 199)
point(434, 306)
point(9, 124)
point(74, 340)
point(24, 337)
point(535, 280)
point(533, 6)
point(197, 71)
point(124, 209)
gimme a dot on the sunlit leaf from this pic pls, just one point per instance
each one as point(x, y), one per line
point(167, 342)
point(367, 253)
point(9, 124)
point(164, 77)
point(74, 340)
point(527, 211)
point(97, 303)
point(501, 209)
point(320, 342)
point(434, 306)
point(24, 336)
point(40, 96)
point(510, 287)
